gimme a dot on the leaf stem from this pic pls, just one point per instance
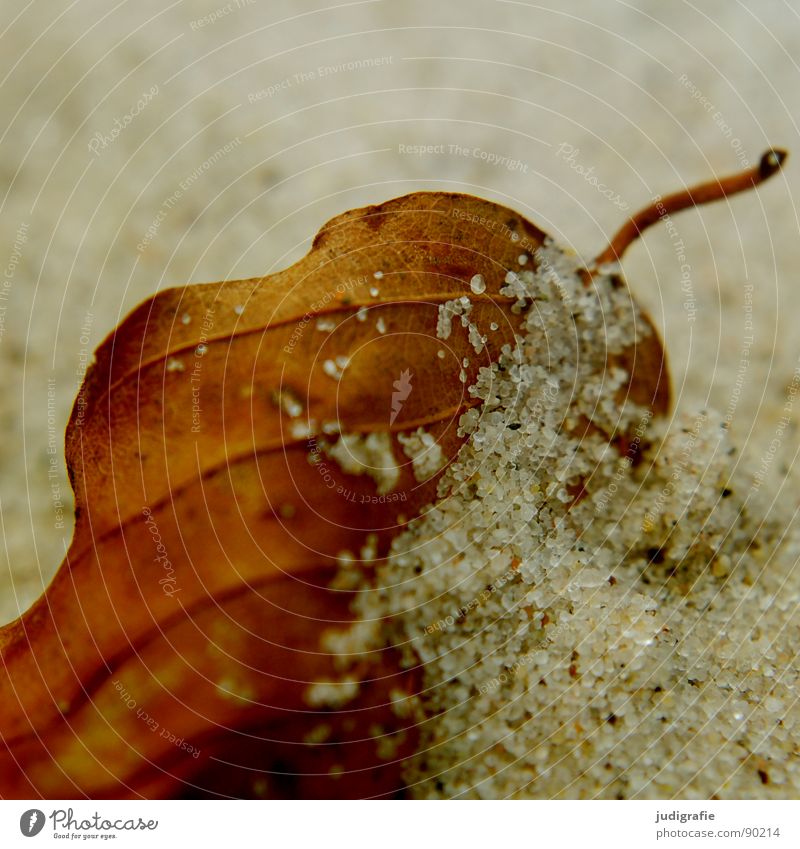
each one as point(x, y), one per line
point(716, 189)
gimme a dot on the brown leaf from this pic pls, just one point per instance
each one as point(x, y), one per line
point(174, 650)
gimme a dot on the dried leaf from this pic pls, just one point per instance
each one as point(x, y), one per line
point(174, 652)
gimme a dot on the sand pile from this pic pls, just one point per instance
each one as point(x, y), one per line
point(641, 642)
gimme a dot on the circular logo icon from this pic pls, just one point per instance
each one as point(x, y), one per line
point(31, 822)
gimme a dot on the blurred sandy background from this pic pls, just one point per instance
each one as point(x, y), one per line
point(146, 145)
